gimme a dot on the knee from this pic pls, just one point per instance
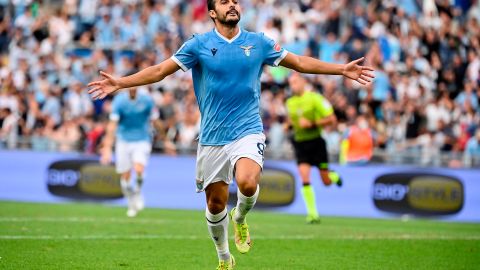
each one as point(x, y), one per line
point(125, 175)
point(326, 180)
point(216, 205)
point(138, 169)
point(248, 184)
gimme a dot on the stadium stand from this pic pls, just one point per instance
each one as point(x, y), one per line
point(423, 104)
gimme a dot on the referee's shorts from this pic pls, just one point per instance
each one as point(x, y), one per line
point(313, 152)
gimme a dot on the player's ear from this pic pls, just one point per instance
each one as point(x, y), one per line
point(212, 14)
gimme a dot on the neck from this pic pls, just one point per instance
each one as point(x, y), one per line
point(227, 31)
point(300, 93)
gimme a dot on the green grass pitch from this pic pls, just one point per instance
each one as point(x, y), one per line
point(89, 236)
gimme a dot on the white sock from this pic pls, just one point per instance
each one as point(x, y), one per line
point(218, 229)
point(125, 185)
point(139, 182)
point(244, 205)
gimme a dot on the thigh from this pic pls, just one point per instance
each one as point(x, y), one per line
point(302, 153)
point(141, 152)
point(123, 159)
point(249, 150)
point(247, 171)
point(212, 166)
point(313, 152)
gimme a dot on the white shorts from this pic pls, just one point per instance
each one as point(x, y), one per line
point(128, 153)
point(217, 163)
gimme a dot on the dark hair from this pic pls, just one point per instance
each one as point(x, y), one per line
point(210, 4)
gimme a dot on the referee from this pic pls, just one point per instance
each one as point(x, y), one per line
point(308, 112)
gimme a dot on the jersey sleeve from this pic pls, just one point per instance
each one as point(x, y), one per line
point(115, 113)
point(323, 107)
point(187, 56)
point(273, 53)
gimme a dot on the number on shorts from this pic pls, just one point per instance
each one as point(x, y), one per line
point(261, 148)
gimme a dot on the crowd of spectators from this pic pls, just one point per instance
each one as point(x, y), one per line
point(424, 99)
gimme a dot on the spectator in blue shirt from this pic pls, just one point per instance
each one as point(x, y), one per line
point(472, 150)
point(105, 34)
point(381, 86)
point(467, 96)
point(329, 47)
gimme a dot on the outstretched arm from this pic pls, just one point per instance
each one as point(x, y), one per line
point(352, 70)
point(100, 89)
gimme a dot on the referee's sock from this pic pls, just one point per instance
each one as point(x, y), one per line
point(310, 202)
point(335, 178)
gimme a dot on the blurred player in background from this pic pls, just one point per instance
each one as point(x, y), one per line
point(129, 122)
point(308, 112)
point(227, 63)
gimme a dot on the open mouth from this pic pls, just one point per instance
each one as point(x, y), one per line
point(232, 12)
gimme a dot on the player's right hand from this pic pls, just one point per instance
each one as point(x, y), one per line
point(100, 89)
point(106, 157)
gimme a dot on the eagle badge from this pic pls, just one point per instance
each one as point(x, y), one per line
point(246, 49)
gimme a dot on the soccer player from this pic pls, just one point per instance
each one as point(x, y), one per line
point(308, 112)
point(226, 66)
point(129, 122)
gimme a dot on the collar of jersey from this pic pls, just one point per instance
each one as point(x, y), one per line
point(228, 40)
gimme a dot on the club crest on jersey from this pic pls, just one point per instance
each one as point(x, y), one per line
point(246, 49)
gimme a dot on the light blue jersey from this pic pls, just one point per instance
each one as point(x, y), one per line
point(133, 116)
point(226, 78)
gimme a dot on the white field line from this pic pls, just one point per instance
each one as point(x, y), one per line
point(139, 237)
point(117, 220)
point(125, 220)
point(258, 237)
point(84, 219)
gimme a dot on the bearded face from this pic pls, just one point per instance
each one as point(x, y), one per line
point(227, 12)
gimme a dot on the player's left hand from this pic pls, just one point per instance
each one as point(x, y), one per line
point(358, 73)
point(106, 157)
point(305, 123)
